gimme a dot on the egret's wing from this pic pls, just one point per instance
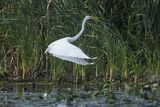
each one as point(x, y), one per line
point(66, 49)
point(75, 60)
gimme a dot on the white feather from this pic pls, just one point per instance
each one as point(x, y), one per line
point(75, 60)
point(64, 50)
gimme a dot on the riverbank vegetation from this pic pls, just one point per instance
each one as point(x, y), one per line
point(126, 40)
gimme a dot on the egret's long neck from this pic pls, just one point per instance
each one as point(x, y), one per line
point(80, 33)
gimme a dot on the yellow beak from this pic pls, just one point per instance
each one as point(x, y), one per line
point(95, 18)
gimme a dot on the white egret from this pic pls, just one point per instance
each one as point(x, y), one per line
point(63, 49)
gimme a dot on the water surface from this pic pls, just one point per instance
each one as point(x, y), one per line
point(50, 95)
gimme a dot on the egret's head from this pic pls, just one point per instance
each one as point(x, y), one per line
point(92, 17)
point(88, 17)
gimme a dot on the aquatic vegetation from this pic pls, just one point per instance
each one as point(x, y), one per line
point(64, 95)
point(111, 98)
point(19, 96)
point(127, 100)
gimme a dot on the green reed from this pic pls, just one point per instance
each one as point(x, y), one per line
point(125, 40)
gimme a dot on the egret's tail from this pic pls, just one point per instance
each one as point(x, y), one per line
point(92, 63)
point(94, 58)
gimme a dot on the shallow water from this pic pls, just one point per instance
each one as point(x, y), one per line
point(49, 95)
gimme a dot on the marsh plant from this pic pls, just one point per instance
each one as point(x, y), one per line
point(125, 40)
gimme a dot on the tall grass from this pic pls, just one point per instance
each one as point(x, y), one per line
point(125, 40)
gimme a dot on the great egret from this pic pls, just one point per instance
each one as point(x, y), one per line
point(63, 49)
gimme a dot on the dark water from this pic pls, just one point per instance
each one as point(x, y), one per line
point(49, 95)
